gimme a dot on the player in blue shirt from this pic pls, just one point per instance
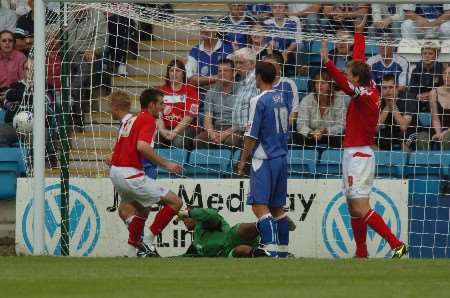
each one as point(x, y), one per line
point(265, 140)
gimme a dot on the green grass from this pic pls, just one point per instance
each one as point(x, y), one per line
point(178, 277)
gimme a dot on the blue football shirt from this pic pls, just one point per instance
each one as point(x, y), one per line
point(268, 124)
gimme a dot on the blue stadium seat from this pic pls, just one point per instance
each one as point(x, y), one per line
point(209, 163)
point(302, 163)
point(234, 159)
point(174, 154)
point(330, 165)
point(425, 164)
point(2, 116)
point(302, 84)
point(425, 119)
point(390, 164)
point(12, 159)
point(371, 50)
point(8, 182)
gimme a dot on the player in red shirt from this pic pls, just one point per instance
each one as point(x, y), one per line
point(134, 143)
point(358, 162)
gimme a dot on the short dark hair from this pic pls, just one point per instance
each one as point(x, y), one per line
point(361, 70)
point(149, 95)
point(226, 61)
point(266, 71)
point(276, 56)
point(388, 77)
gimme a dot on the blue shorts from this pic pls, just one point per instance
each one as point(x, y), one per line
point(150, 169)
point(268, 182)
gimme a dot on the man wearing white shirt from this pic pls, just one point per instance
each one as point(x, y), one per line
point(426, 21)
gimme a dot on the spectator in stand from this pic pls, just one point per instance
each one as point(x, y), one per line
point(12, 61)
point(259, 11)
point(237, 20)
point(284, 85)
point(178, 124)
point(278, 26)
point(426, 75)
point(120, 37)
point(258, 41)
point(8, 19)
point(201, 66)
point(387, 18)
point(87, 42)
point(389, 62)
point(219, 102)
point(342, 16)
point(321, 115)
point(244, 61)
point(440, 113)
point(308, 14)
point(396, 116)
point(426, 21)
point(25, 28)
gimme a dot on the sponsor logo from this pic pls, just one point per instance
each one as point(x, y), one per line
point(84, 222)
point(337, 231)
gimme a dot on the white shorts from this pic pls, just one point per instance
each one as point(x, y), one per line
point(358, 171)
point(133, 185)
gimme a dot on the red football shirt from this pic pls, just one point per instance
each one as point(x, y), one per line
point(141, 127)
point(364, 107)
point(178, 104)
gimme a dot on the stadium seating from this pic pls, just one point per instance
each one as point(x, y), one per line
point(329, 165)
point(2, 116)
point(11, 166)
point(425, 119)
point(175, 155)
point(390, 164)
point(302, 163)
point(207, 163)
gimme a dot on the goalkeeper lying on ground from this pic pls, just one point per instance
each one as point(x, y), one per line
point(213, 236)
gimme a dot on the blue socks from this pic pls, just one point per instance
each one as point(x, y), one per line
point(268, 233)
point(282, 235)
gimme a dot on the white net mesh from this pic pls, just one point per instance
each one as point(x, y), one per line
point(106, 47)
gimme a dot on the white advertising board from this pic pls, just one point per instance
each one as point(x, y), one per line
point(317, 207)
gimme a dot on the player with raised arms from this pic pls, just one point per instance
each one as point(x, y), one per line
point(134, 143)
point(358, 162)
point(265, 140)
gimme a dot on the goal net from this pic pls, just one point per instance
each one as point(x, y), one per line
point(186, 49)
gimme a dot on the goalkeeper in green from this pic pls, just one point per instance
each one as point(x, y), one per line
point(213, 236)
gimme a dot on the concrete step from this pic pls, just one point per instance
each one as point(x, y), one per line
point(95, 140)
point(136, 84)
point(162, 32)
point(91, 166)
point(89, 154)
point(104, 118)
point(143, 67)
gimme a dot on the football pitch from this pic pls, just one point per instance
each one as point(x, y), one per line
point(184, 277)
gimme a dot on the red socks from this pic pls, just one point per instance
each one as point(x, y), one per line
point(135, 229)
point(359, 228)
point(376, 222)
point(162, 219)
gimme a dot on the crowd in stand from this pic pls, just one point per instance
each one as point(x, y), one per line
point(207, 96)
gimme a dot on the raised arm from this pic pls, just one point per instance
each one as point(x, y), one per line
point(339, 77)
point(359, 42)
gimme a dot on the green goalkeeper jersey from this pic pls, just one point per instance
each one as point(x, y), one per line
point(211, 232)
